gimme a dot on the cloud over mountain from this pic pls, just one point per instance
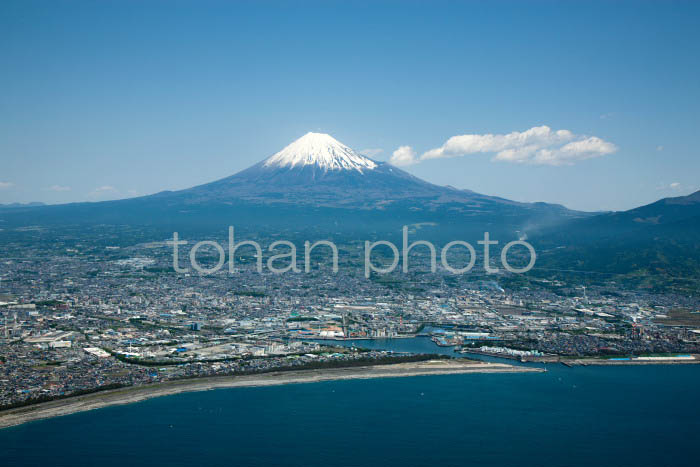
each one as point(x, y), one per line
point(404, 155)
point(539, 146)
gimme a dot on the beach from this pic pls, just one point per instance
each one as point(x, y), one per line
point(129, 395)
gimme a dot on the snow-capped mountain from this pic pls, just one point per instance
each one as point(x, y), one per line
point(318, 170)
point(317, 180)
point(320, 150)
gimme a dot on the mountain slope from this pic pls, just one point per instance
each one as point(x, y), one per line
point(675, 216)
point(655, 246)
point(317, 170)
point(314, 180)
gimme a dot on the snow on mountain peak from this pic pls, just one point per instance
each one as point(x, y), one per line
point(321, 150)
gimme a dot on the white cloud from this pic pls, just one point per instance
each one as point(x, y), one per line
point(539, 145)
point(58, 188)
point(4, 185)
point(404, 155)
point(371, 153)
point(675, 186)
point(659, 148)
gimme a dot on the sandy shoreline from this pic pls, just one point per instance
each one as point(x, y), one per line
point(129, 395)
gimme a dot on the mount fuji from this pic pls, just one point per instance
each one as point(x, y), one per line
point(317, 170)
point(318, 180)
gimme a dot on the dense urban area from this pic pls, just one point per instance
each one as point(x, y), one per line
point(79, 316)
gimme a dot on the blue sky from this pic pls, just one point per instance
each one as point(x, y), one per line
point(109, 99)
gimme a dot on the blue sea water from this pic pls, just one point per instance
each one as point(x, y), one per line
point(583, 416)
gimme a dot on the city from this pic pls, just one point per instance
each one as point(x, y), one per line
point(100, 316)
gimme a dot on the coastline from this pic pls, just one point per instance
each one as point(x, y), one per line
point(57, 408)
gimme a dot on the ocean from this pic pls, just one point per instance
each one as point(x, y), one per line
point(617, 416)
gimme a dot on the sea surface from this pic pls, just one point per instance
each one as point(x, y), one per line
point(603, 416)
